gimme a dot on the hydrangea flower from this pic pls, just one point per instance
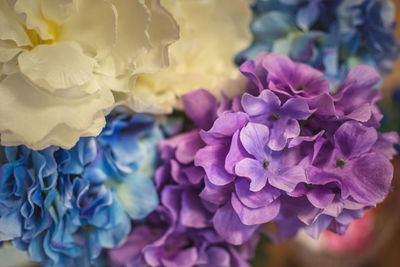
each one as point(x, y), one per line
point(211, 34)
point(330, 35)
point(324, 165)
point(180, 232)
point(65, 63)
point(65, 206)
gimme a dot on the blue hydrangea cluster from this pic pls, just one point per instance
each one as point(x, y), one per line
point(64, 206)
point(330, 35)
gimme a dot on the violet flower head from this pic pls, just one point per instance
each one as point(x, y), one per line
point(294, 153)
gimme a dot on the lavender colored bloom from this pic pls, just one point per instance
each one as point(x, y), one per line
point(329, 35)
point(65, 206)
point(181, 231)
point(317, 170)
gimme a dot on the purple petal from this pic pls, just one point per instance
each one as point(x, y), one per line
point(218, 256)
point(320, 198)
point(372, 175)
point(225, 126)
point(254, 138)
point(261, 107)
point(296, 108)
point(192, 212)
point(282, 130)
point(300, 139)
point(200, 106)
point(288, 179)
point(255, 171)
point(320, 225)
point(212, 159)
point(216, 194)
point(236, 153)
point(185, 257)
point(353, 139)
point(255, 199)
point(229, 226)
point(249, 216)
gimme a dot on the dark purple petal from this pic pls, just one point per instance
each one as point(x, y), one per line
point(192, 213)
point(186, 257)
point(229, 226)
point(320, 198)
point(201, 106)
point(216, 194)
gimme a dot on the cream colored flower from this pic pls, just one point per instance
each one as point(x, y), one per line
point(65, 63)
point(212, 32)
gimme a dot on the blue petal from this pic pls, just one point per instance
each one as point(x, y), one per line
point(138, 195)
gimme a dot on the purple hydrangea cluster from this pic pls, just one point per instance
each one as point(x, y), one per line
point(287, 151)
point(295, 154)
point(180, 232)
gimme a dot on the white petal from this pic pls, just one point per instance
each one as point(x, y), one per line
point(93, 25)
point(38, 119)
point(132, 38)
point(11, 29)
point(163, 31)
point(32, 17)
point(57, 10)
point(212, 33)
point(147, 102)
point(59, 66)
point(8, 51)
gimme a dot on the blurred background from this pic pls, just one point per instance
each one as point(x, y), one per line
point(373, 241)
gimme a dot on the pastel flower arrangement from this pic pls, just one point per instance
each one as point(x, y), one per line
point(112, 155)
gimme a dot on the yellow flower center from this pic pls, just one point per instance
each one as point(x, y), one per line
point(53, 29)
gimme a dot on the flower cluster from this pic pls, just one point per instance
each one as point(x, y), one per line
point(330, 35)
point(65, 64)
point(65, 206)
point(180, 232)
point(295, 154)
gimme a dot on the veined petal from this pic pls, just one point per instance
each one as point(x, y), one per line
point(59, 66)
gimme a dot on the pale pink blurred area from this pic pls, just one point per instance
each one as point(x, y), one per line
point(357, 238)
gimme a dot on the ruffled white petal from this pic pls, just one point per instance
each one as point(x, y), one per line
point(31, 15)
point(38, 119)
point(93, 24)
point(10, 28)
point(212, 33)
point(133, 40)
point(57, 10)
point(59, 66)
